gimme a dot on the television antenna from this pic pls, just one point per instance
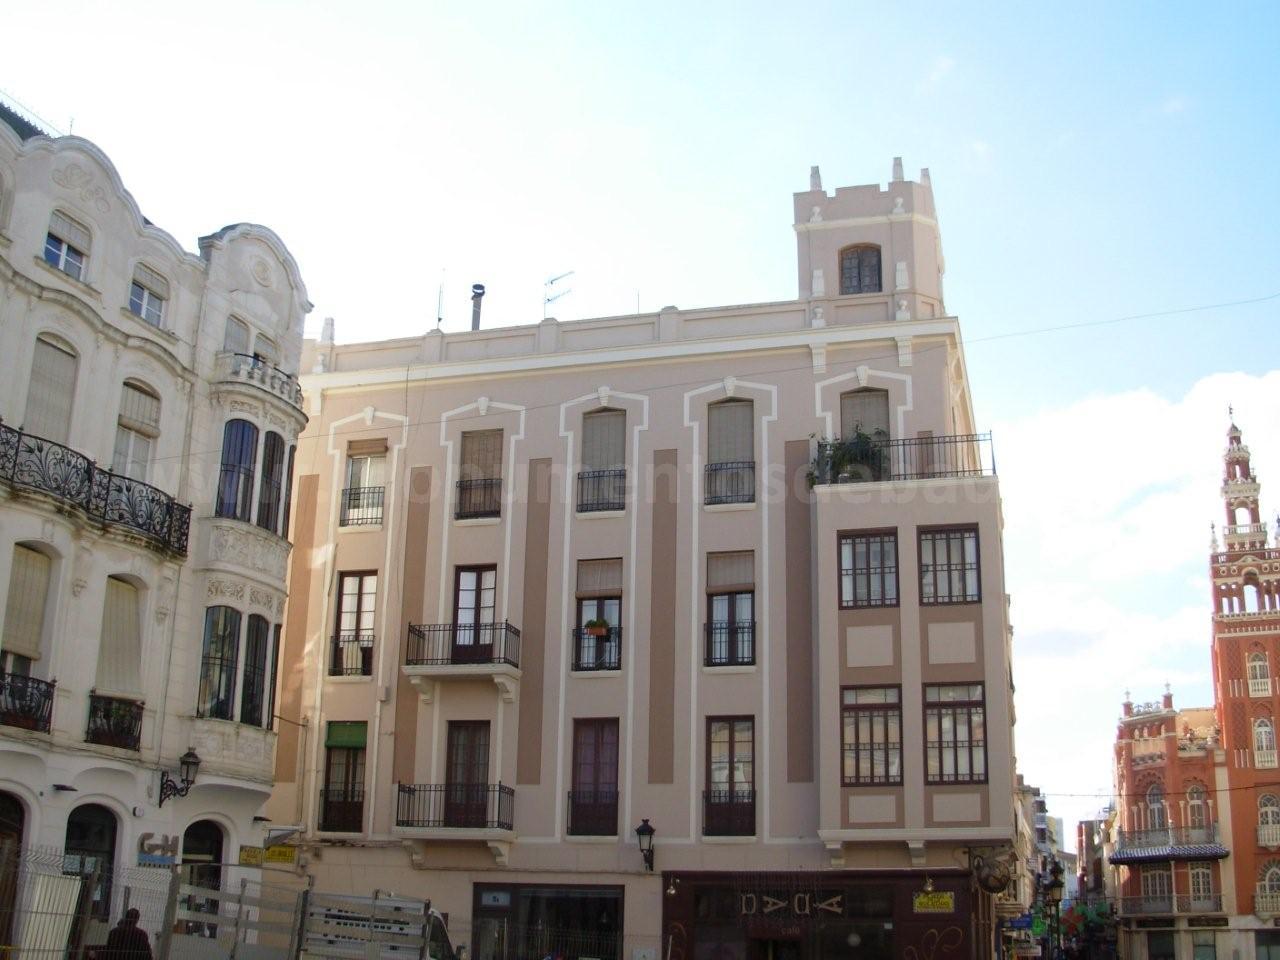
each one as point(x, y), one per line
point(548, 297)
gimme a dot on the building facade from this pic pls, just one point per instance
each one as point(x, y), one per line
point(148, 419)
point(733, 575)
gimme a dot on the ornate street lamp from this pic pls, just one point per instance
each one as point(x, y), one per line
point(188, 767)
point(644, 836)
point(1053, 887)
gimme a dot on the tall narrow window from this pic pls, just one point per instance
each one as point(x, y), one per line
point(51, 391)
point(949, 566)
point(955, 733)
point(866, 412)
point(729, 803)
point(731, 467)
point(860, 269)
point(466, 800)
point(272, 479)
point(474, 608)
point(256, 650)
point(353, 642)
point(593, 804)
point(235, 481)
point(603, 480)
point(147, 294)
point(120, 654)
point(1264, 743)
point(89, 849)
point(1156, 889)
point(273, 677)
point(731, 601)
point(236, 338)
point(1157, 813)
point(23, 636)
point(869, 569)
point(598, 637)
point(1197, 811)
point(480, 486)
point(1259, 675)
point(66, 245)
point(1202, 895)
point(216, 697)
point(871, 735)
point(362, 498)
point(342, 797)
point(288, 493)
point(265, 350)
point(137, 428)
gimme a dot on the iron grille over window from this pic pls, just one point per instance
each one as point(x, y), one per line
point(860, 270)
point(235, 481)
point(869, 570)
point(955, 733)
point(871, 735)
point(949, 566)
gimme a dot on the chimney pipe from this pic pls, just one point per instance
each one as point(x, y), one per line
point(477, 294)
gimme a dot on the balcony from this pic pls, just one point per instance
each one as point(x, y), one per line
point(731, 482)
point(479, 498)
point(865, 459)
point(342, 809)
point(351, 655)
point(25, 702)
point(448, 651)
point(602, 490)
point(1145, 906)
point(114, 722)
point(1169, 843)
point(1269, 835)
point(29, 462)
point(361, 507)
point(1200, 903)
point(1259, 686)
point(1264, 759)
point(458, 811)
point(1266, 903)
point(597, 648)
point(730, 643)
point(593, 813)
point(728, 813)
point(259, 373)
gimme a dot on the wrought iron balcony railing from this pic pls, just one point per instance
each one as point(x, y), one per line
point(246, 368)
point(729, 813)
point(351, 655)
point(361, 506)
point(600, 490)
point(731, 482)
point(1199, 903)
point(445, 644)
point(593, 813)
point(730, 643)
point(864, 459)
point(1139, 906)
point(1166, 837)
point(479, 498)
point(34, 463)
point(26, 702)
point(114, 722)
point(342, 809)
point(476, 806)
point(593, 650)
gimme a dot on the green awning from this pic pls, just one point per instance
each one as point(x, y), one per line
point(346, 733)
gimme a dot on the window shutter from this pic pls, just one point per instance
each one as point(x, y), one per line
point(367, 448)
point(237, 337)
point(600, 578)
point(730, 431)
point(24, 613)
point(139, 410)
point(266, 348)
point(345, 733)
point(64, 228)
point(727, 571)
point(867, 410)
point(120, 655)
point(52, 389)
point(151, 280)
point(604, 440)
point(482, 455)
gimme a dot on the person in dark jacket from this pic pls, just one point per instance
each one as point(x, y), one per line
point(127, 941)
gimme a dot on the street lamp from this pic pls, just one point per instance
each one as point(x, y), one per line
point(188, 767)
point(1053, 887)
point(644, 836)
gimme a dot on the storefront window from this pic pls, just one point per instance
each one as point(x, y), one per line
point(514, 922)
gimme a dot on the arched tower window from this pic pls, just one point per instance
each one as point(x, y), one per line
point(1157, 816)
point(860, 269)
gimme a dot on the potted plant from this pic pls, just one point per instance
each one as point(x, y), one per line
point(596, 627)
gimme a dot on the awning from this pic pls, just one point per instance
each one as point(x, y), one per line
point(1180, 851)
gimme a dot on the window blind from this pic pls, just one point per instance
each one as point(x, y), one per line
point(237, 336)
point(64, 228)
point(52, 389)
point(726, 570)
point(729, 431)
point(604, 440)
point(24, 612)
point(600, 578)
point(266, 348)
point(139, 410)
point(151, 280)
point(367, 448)
point(865, 410)
point(120, 655)
point(482, 455)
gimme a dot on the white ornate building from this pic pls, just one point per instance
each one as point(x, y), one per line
point(148, 417)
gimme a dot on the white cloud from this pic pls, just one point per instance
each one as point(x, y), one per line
point(1107, 506)
point(938, 71)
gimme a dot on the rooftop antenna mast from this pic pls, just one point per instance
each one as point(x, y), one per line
point(548, 297)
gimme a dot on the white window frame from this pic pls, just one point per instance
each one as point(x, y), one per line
point(149, 304)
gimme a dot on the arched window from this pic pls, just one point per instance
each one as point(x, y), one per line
point(1197, 809)
point(1157, 816)
point(91, 845)
point(137, 429)
point(860, 269)
point(202, 846)
point(1258, 666)
point(1269, 810)
point(1251, 594)
point(257, 643)
point(1271, 878)
point(13, 820)
point(216, 698)
point(272, 478)
point(52, 389)
point(1264, 743)
point(235, 482)
point(147, 294)
point(66, 245)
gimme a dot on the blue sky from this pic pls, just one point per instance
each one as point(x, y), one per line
point(1090, 161)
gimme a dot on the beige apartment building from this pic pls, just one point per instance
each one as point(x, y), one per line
point(724, 584)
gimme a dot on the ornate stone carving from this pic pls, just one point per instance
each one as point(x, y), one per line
point(242, 407)
point(262, 598)
point(900, 275)
point(262, 272)
point(79, 181)
point(226, 590)
point(243, 546)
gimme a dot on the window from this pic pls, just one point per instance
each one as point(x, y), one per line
point(593, 805)
point(1203, 946)
point(23, 636)
point(273, 665)
point(949, 566)
point(731, 609)
point(236, 338)
point(1264, 743)
point(235, 482)
point(480, 486)
point(602, 484)
point(860, 269)
point(1202, 886)
point(1269, 810)
point(265, 350)
point(342, 798)
point(66, 246)
point(731, 467)
point(1259, 675)
point(869, 570)
point(1157, 814)
point(288, 494)
point(366, 485)
point(866, 412)
point(353, 642)
point(137, 428)
point(216, 697)
point(729, 803)
point(90, 848)
point(467, 774)
point(147, 294)
point(955, 733)
point(1197, 815)
point(871, 736)
point(254, 692)
point(120, 654)
point(51, 391)
point(598, 637)
point(272, 478)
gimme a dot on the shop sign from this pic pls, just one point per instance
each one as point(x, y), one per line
point(1020, 923)
point(789, 905)
point(280, 853)
point(933, 901)
point(250, 856)
point(157, 853)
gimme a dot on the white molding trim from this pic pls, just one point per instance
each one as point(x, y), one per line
point(862, 374)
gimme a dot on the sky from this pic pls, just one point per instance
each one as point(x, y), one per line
point(1103, 175)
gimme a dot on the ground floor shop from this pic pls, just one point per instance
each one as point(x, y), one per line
point(1200, 938)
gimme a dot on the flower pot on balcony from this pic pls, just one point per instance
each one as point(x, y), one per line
point(596, 628)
